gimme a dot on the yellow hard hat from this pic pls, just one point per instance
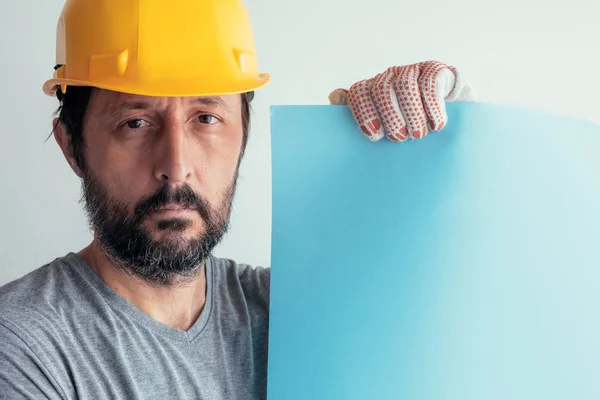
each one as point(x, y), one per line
point(156, 47)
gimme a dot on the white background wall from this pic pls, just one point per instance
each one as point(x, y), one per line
point(534, 53)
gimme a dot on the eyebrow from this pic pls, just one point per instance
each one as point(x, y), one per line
point(128, 106)
point(212, 101)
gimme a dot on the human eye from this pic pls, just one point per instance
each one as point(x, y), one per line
point(208, 119)
point(135, 123)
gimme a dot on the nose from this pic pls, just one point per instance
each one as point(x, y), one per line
point(173, 155)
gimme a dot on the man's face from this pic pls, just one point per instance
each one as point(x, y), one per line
point(159, 178)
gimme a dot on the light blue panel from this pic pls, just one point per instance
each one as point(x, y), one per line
point(464, 266)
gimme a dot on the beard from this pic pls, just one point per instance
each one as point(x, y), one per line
point(129, 245)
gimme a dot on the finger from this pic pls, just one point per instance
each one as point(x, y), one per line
point(406, 88)
point(338, 97)
point(363, 109)
point(435, 83)
point(462, 90)
point(387, 106)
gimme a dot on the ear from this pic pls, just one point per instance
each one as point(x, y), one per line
point(64, 142)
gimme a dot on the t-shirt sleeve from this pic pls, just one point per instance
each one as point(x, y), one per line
point(256, 282)
point(22, 374)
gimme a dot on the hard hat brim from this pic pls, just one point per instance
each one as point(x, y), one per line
point(202, 89)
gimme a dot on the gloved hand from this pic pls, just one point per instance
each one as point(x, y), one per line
point(404, 101)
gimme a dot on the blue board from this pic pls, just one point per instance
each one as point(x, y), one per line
point(464, 266)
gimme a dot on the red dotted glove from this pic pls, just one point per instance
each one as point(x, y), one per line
point(404, 101)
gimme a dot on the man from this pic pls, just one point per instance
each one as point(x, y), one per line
point(154, 117)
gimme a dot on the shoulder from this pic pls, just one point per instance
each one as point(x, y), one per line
point(23, 373)
point(38, 297)
point(32, 309)
point(251, 282)
point(42, 285)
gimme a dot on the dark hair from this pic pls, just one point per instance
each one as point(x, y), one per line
point(74, 103)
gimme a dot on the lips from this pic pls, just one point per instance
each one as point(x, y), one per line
point(173, 208)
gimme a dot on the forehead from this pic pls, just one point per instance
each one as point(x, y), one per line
point(109, 102)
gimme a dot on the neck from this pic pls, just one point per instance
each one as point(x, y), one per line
point(178, 305)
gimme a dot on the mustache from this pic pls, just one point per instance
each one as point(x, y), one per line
point(183, 196)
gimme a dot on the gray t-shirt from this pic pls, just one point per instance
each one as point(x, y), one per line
point(64, 334)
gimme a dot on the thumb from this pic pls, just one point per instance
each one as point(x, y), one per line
point(461, 90)
point(339, 97)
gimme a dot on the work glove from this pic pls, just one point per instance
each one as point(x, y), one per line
point(404, 102)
